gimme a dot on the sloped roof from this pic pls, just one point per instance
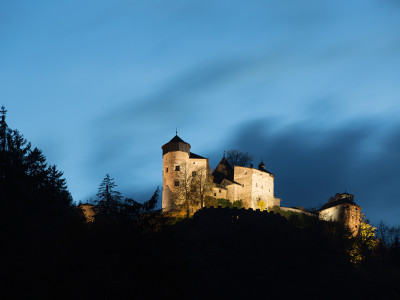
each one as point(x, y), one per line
point(338, 202)
point(176, 144)
point(229, 182)
point(176, 139)
point(217, 185)
point(193, 155)
point(222, 171)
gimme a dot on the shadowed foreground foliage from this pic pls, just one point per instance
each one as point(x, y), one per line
point(214, 254)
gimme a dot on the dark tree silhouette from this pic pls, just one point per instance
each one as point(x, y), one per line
point(238, 158)
point(142, 214)
point(30, 189)
point(109, 200)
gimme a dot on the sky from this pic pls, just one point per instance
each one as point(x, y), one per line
point(311, 87)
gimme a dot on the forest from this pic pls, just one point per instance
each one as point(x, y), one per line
point(133, 250)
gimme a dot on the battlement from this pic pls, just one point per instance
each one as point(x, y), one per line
point(217, 214)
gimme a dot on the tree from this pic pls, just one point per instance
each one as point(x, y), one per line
point(238, 158)
point(108, 199)
point(141, 213)
point(365, 242)
point(185, 190)
point(30, 189)
point(201, 184)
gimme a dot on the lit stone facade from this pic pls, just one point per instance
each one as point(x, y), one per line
point(257, 185)
point(180, 168)
point(89, 211)
point(344, 211)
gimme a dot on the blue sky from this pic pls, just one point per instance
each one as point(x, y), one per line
point(311, 86)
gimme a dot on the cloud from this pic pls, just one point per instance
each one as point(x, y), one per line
point(311, 163)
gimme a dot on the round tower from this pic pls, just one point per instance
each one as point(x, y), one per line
point(175, 157)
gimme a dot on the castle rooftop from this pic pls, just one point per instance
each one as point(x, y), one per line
point(223, 171)
point(176, 144)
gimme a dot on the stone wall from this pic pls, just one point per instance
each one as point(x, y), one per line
point(257, 185)
point(347, 214)
point(170, 191)
point(190, 169)
point(219, 192)
point(89, 211)
point(233, 192)
point(297, 210)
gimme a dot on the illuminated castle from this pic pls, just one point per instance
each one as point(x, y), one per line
point(187, 180)
point(184, 172)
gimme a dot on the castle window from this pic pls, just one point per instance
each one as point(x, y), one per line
point(256, 184)
point(220, 190)
point(194, 174)
point(176, 183)
point(215, 194)
point(245, 172)
point(177, 168)
point(166, 170)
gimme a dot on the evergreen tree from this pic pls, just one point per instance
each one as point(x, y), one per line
point(30, 190)
point(108, 199)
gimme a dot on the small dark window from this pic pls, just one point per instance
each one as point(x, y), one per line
point(176, 182)
point(220, 191)
point(194, 173)
point(177, 168)
point(166, 170)
point(215, 194)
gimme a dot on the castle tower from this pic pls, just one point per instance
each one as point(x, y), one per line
point(342, 208)
point(175, 156)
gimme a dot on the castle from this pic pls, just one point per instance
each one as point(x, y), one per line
point(187, 182)
point(182, 170)
point(187, 176)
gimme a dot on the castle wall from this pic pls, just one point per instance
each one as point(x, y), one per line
point(273, 202)
point(198, 165)
point(170, 191)
point(219, 192)
point(233, 192)
point(353, 218)
point(257, 185)
point(89, 211)
point(347, 214)
point(243, 176)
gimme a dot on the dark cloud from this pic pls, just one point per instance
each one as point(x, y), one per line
point(311, 164)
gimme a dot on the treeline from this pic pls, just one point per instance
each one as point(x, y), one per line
point(132, 250)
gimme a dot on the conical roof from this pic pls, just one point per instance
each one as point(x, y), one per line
point(176, 139)
point(222, 171)
point(176, 144)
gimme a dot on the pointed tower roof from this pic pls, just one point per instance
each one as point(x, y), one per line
point(176, 144)
point(223, 171)
point(261, 166)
